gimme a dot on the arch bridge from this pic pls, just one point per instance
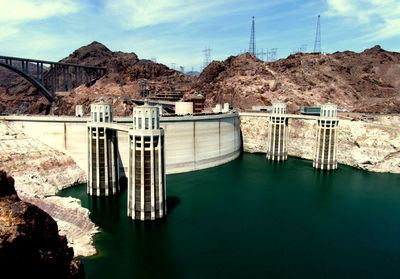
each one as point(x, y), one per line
point(49, 77)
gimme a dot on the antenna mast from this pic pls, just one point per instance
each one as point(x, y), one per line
point(317, 44)
point(252, 45)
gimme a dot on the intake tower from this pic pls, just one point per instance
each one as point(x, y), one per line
point(103, 159)
point(146, 173)
point(326, 139)
point(277, 133)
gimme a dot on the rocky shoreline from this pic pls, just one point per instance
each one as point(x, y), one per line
point(30, 243)
point(370, 143)
point(40, 172)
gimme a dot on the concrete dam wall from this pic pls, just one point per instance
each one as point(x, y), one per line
point(191, 142)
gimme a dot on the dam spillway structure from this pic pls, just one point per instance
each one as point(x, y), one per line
point(146, 172)
point(326, 139)
point(103, 152)
point(277, 133)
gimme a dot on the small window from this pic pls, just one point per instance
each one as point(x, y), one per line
point(140, 123)
point(146, 121)
point(95, 116)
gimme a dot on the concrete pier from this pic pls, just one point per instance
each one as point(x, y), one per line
point(146, 172)
point(277, 133)
point(102, 152)
point(326, 138)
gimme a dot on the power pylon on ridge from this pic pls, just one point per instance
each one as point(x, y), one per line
point(260, 54)
point(317, 43)
point(303, 48)
point(272, 54)
point(207, 56)
point(252, 45)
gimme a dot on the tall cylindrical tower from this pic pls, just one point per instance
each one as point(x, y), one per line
point(277, 133)
point(103, 152)
point(326, 139)
point(146, 174)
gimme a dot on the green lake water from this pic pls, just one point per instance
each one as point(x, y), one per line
point(252, 218)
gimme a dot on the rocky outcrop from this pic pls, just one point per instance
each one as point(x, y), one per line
point(40, 172)
point(38, 169)
point(72, 219)
point(120, 85)
point(363, 82)
point(30, 246)
point(371, 144)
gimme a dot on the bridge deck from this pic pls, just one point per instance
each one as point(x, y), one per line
point(50, 62)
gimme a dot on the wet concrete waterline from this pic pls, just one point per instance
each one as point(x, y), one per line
point(255, 218)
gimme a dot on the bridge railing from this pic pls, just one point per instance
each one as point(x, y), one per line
point(53, 77)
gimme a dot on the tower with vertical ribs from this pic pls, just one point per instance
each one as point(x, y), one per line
point(146, 173)
point(326, 139)
point(277, 133)
point(103, 152)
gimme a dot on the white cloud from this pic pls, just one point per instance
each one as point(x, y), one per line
point(380, 18)
point(18, 12)
point(7, 30)
point(26, 10)
point(340, 6)
point(139, 13)
point(390, 29)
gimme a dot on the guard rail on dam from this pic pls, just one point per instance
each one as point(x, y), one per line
point(191, 142)
point(263, 114)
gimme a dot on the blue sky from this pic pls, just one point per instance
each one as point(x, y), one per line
point(177, 31)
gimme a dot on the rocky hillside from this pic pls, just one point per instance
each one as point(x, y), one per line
point(360, 82)
point(30, 246)
point(119, 85)
point(363, 82)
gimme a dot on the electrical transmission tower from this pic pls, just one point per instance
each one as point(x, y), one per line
point(252, 45)
point(207, 57)
point(317, 44)
point(303, 48)
point(260, 54)
point(143, 88)
point(272, 54)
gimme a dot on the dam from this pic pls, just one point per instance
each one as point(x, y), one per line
point(192, 142)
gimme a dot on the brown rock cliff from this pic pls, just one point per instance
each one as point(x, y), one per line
point(30, 246)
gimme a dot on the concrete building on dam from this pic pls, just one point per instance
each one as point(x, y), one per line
point(277, 133)
point(103, 169)
point(146, 172)
point(326, 139)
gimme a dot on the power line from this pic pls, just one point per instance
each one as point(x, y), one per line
point(272, 54)
point(260, 54)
